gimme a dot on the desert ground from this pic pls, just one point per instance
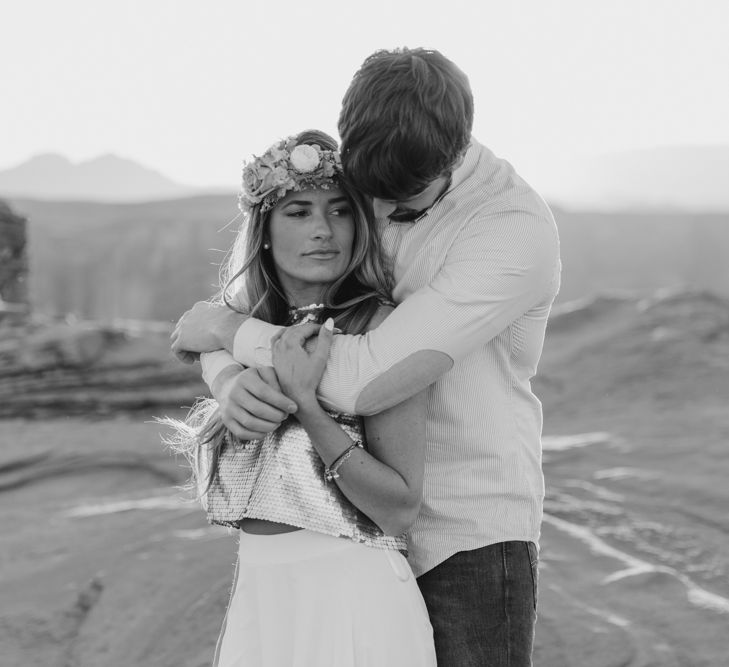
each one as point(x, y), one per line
point(105, 562)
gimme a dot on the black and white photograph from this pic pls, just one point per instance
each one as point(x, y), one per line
point(387, 334)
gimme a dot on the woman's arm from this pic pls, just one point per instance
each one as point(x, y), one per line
point(385, 481)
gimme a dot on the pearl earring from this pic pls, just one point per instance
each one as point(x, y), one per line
point(266, 245)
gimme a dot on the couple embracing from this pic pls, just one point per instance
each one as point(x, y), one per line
point(373, 433)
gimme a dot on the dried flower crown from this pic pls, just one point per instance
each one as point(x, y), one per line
point(286, 167)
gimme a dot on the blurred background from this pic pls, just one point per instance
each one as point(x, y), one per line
point(123, 129)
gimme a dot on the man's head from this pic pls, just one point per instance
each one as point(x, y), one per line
point(405, 124)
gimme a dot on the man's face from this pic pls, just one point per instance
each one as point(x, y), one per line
point(408, 210)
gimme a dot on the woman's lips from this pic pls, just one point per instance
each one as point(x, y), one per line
point(321, 254)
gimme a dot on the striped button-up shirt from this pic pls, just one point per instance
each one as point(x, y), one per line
point(475, 280)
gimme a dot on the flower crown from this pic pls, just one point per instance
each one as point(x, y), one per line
point(285, 167)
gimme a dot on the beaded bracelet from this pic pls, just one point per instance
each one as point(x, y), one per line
point(330, 472)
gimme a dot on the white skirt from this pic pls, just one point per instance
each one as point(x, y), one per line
point(305, 599)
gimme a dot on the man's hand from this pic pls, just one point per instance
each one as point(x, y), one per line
point(206, 327)
point(251, 402)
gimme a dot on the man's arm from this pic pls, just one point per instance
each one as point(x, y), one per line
point(250, 400)
point(206, 327)
point(496, 270)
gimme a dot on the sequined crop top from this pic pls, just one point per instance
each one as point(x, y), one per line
point(281, 478)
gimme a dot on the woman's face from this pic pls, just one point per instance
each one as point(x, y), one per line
point(311, 235)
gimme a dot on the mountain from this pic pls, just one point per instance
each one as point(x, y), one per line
point(680, 178)
point(687, 178)
point(108, 178)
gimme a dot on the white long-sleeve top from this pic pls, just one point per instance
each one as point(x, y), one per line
point(475, 281)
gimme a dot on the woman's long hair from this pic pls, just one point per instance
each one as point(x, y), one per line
point(250, 285)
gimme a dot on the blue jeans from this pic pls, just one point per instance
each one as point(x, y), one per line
point(483, 606)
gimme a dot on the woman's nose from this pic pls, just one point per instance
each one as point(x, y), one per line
point(321, 227)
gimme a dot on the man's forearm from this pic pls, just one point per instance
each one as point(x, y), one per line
point(214, 365)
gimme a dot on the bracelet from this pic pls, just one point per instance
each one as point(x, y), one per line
point(331, 471)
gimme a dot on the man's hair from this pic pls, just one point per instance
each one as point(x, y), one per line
point(406, 118)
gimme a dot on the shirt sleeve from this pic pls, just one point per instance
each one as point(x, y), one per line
point(252, 342)
point(213, 363)
point(497, 268)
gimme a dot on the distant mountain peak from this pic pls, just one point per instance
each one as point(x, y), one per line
point(110, 158)
point(48, 158)
point(107, 177)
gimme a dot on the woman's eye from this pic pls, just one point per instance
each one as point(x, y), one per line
point(298, 214)
point(342, 211)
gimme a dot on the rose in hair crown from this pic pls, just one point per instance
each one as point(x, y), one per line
point(305, 158)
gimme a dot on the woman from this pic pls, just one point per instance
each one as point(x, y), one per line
point(321, 577)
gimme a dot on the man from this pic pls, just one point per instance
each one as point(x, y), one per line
point(476, 264)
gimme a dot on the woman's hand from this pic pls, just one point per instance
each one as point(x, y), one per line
point(298, 370)
point(206, 327)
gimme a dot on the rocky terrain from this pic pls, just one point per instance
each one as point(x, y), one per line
point(50, 368)
point(106, 563)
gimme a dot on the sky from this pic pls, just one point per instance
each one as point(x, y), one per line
point(193, 88)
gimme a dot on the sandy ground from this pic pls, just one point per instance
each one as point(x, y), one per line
point(103, 564)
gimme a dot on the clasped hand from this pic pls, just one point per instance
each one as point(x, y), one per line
point(299, 367)
point(256, 400)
